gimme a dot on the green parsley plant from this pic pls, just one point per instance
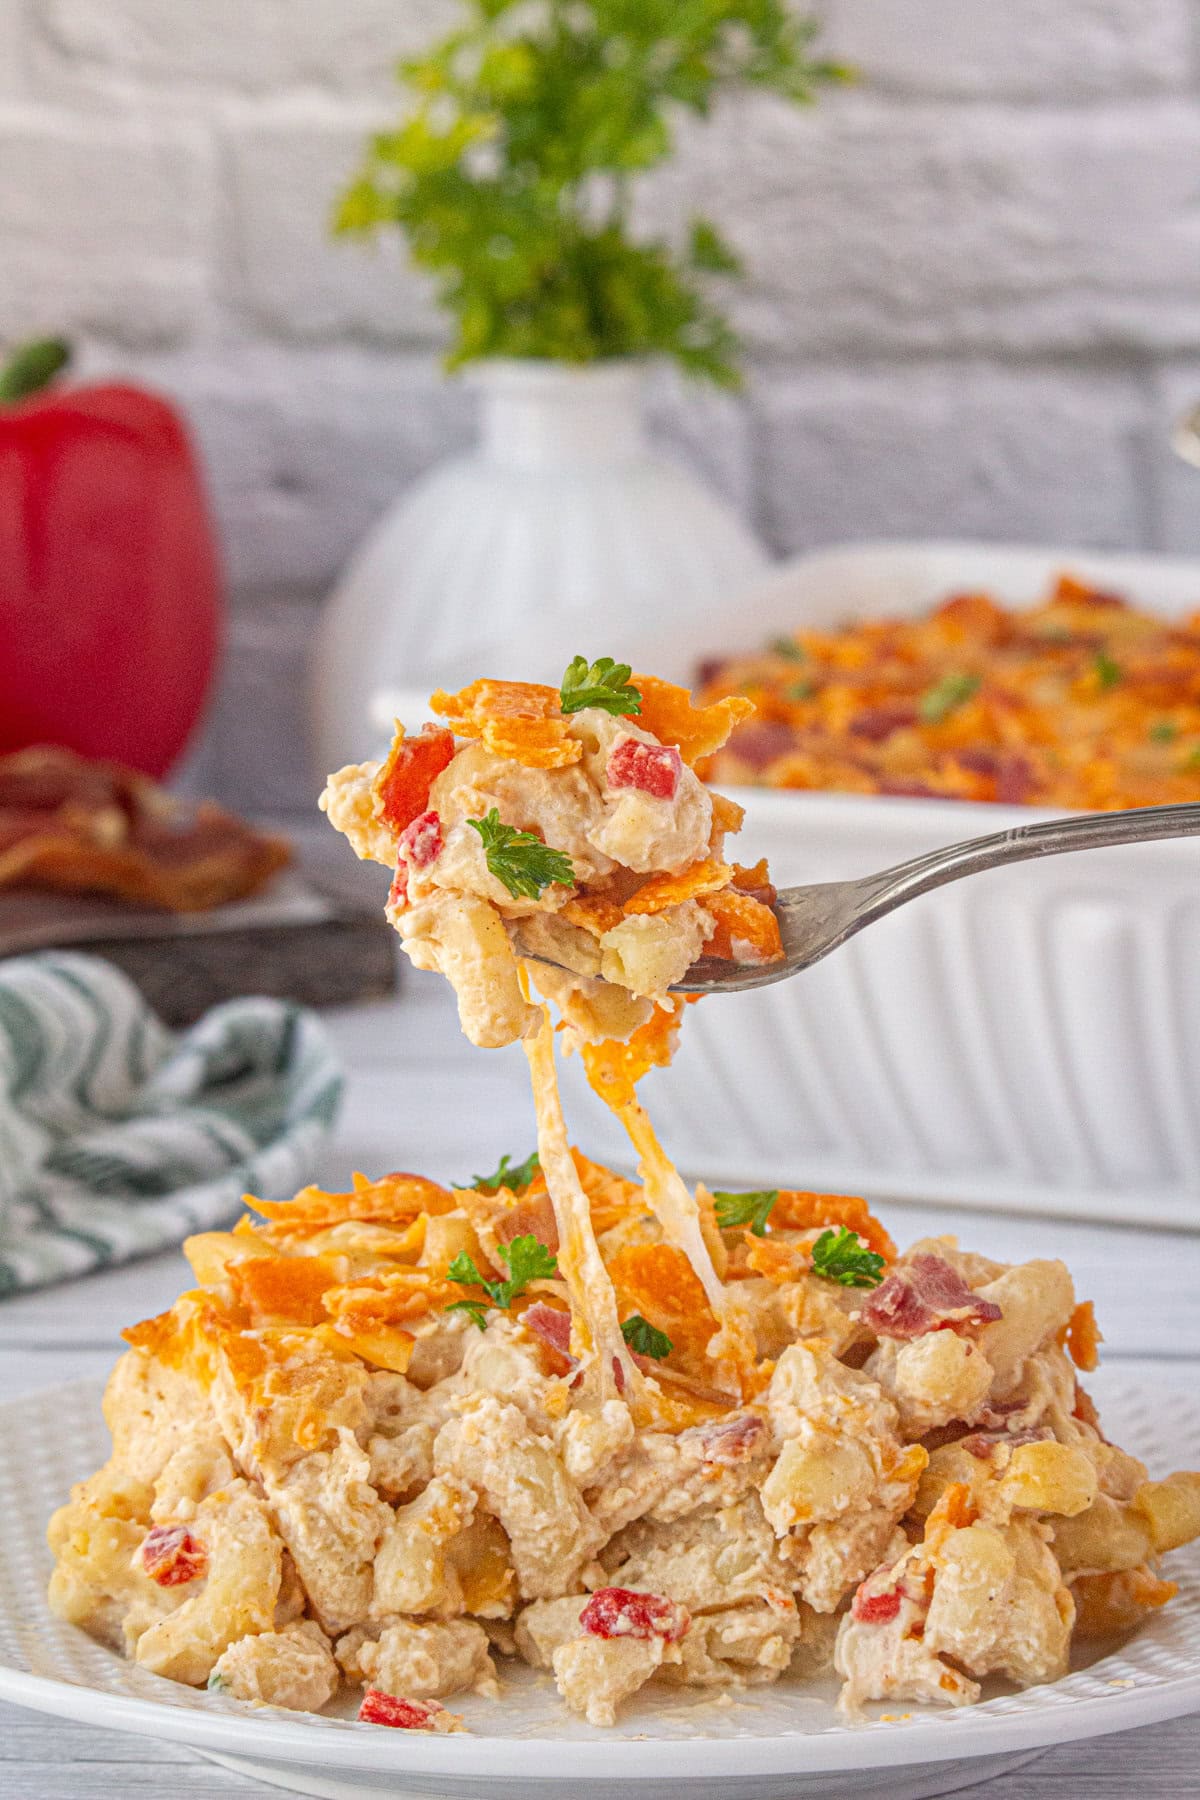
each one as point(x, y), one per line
point(946, 696)
point(1106, 670)
point(528, 1260)
point(644, 1338)
point(514, 1176)
point(840, 1256)
point(753, 1210)
point(604, 684)
point(512, 171)
point(519, 860)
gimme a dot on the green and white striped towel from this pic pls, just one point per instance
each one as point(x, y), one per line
point(119, 1137)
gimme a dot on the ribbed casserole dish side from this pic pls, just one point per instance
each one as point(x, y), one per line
point(1028, 1038)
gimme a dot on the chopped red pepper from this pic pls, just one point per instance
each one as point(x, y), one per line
point(171, 1556)
point(398, 892)
point(410, 771)
point(422, 841)
point(652, 768)
point(622, 1612)
point(406, 1715)
point(875, 1609)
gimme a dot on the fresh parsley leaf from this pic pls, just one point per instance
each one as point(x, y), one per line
point(839, 1256)
point(514, 1176)
point(789, 649)
point(646, 1339)
point(519, 860)
point(1191, 761)
point(1165, 732)
point(800, 690)
point(1106, 670)
point(528, 1260)
point(474, 1309)
point(604, 684)
point(465, 1269)
point(215, 1683)
point(745, 1209)
point(946, 696)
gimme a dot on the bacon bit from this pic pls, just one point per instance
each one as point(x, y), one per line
point(745, 930)
point(398, 892)
point(875, 1609)
point(927, 1295)
point(551, 1323)
point(171, 1556)
point(422, 841)
point(876, 723)
point(522, 720)
point(653, 769)
point(662, 891)
point(982, 1444)
point(530, 1214)
point(413, 765)
point(1082, 1337)
point(621, 1612)
point(731, 1441)
point(404, 1715)
point(798, 1210)
point(618, 1368)
point(761, 743)
point(1016, 781)
point(668, 714)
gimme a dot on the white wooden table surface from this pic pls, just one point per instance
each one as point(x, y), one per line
point(418, 1098)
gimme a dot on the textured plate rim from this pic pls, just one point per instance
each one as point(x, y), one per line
point(962, 1734)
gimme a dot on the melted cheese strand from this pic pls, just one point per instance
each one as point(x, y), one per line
point(595, 1319)
point(677, 1211)
point(671, 1200)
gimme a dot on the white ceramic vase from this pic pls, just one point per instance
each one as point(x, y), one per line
point(563, 532)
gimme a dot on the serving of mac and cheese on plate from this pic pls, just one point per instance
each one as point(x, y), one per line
point(636, 1434)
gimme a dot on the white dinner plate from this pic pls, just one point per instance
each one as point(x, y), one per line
point(775, 1743)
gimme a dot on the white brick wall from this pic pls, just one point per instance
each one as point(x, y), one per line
point(975, 303)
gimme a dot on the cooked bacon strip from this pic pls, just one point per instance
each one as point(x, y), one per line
point(926, 1295)
point(551, 1323)
point(100, 828)
point(983, 1443)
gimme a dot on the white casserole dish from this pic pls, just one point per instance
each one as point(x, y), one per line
point(1027, 1039)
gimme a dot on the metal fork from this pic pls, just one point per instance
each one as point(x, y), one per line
point(816, 919)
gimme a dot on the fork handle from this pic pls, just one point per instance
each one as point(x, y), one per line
point(1050, 837)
